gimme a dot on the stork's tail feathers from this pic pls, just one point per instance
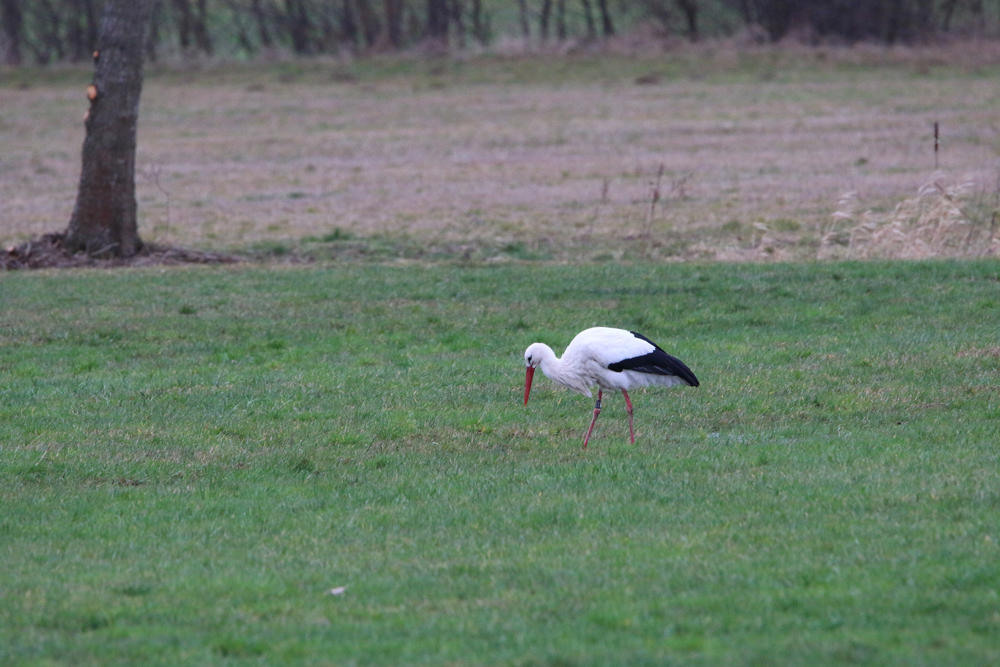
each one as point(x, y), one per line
point(657, 362)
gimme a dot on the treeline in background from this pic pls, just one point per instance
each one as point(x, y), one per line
point(50, 31)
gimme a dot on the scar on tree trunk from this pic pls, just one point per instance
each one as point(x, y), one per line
point(104, 219)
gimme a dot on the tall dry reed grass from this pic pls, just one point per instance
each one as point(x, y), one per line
point(960, 219)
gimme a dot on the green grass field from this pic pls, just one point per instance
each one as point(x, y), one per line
point(191, 459)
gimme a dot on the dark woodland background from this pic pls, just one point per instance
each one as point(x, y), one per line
point(51, 31)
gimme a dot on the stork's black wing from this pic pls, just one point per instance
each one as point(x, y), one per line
point(656, 362)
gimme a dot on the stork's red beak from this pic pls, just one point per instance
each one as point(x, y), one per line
point(527, 382)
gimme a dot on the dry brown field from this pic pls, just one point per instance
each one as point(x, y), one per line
point(546, 155)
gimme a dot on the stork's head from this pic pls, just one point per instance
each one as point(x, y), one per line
point(533, 355)
point(532, 358)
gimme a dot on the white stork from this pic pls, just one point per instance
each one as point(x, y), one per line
point(611, 359)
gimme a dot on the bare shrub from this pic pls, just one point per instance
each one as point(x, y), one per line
point(958, 220)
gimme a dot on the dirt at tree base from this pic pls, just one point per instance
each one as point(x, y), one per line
point(47, 252)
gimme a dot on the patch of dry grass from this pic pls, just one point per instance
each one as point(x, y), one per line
point(754, 161)
point(957, 220)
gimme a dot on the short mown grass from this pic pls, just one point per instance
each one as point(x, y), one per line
point(192, 459)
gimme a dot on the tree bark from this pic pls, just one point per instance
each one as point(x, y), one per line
point(607, 27)
point(348, 25)
point(13, 25)
point(561, 31)
point(183, 9)
point(690, 10)
point(437, 21)
point(200, 28)
point(457, 11)
point(480, 23)
point(239, 24)
point(370, 25)
point(48, 44)
point(299, 26)
point(588, 16)
point(81, 29)
point(104, 220)
point(522, 13)
point(543, 20)
point(394, 22)
point(777, 16)
point(153, 31)
point(261, 18)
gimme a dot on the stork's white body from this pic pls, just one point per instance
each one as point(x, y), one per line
point(612, 359)
point(585, 362)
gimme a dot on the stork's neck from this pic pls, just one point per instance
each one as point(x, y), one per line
point(565, 373)
point(551, 365)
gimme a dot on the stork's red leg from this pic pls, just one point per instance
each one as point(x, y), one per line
point(597, 411)
point(628, 408)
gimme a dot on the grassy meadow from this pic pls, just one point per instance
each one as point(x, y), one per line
point(192, 459)
point(326, 460)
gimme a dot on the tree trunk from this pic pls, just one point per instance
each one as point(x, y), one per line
point(522, 13)
point(437, 21)
point(13, 25)
point(183, 9)
point(261, 19)
point(923, 19)
point(543, 19)
point(394, 22)
point(370, 25)
point(49, 44)
point(480, 23)
point(690, 10)
point(75, 32)
point(104, 219)
point(948, 9)
point(777, 16)
point(299, 26)
point(458, 19)
point(240, 25)
point(153, 31)
point(747, 12)
point(607, 27)
point(348, 25)
point(81, 30)
point(561, 20)
point(588, 16)
point(201, 36)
